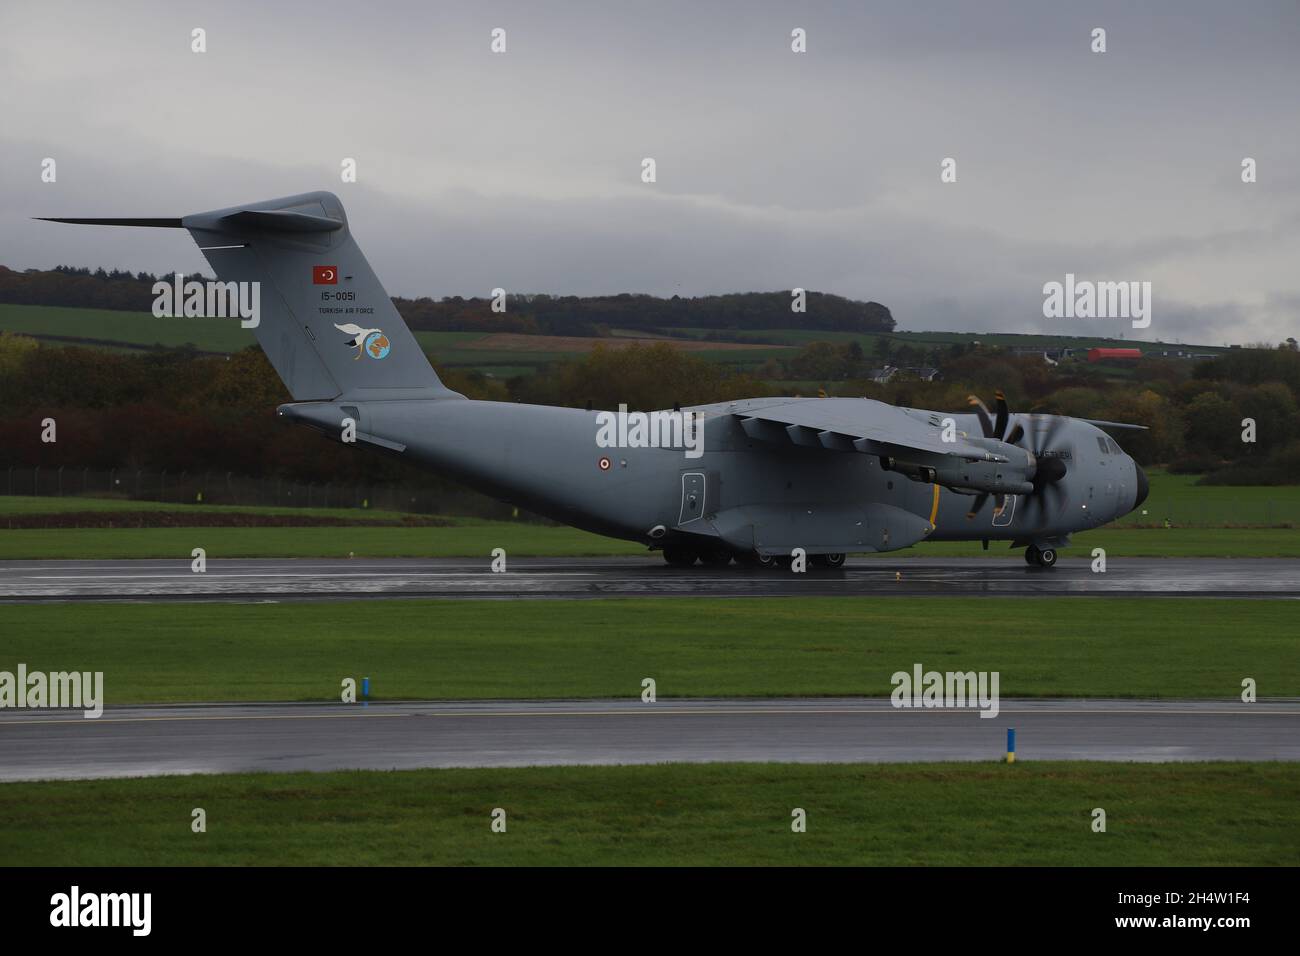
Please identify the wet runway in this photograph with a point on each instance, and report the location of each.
(143, 741)
(323, 579)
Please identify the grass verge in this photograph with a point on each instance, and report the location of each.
(467, 540)
(693, 647)
(672, 814)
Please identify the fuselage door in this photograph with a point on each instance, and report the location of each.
(1003, 511)
(692, 497)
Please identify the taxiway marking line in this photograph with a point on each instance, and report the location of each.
(215, 575)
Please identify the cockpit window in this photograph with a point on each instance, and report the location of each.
(1114, 446)
(1101, 443)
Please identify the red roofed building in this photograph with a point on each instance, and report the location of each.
(1104, 355)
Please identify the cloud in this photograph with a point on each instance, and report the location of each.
(775, 169)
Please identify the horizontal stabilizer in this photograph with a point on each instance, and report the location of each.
(156, 223)
(282, 220)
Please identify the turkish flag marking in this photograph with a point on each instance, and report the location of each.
(324, 275)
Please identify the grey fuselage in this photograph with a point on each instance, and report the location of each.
(753, 495)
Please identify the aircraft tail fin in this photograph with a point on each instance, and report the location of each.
(325, 322)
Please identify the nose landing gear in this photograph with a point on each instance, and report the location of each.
(1043, 557)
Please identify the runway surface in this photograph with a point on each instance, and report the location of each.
(143, 741)
(324, 579)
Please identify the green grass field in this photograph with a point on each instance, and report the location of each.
(1023, 814)
(27, 505)
(456, 349)
(801, 337)
(436, 342)
(692, 647)
(134, 330)
(1185, 503)
(142, 330)
(139, 329)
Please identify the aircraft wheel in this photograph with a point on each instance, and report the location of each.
(680, 557)
(716, 557)
(752, 559)
(826, 560)
(1047, 557)
(1033, 555)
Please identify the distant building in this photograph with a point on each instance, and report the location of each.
(1050, 355)
(881, 376)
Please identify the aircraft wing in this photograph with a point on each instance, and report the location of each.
(853, 424)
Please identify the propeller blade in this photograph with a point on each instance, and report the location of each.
(1054, 425)
(975, 508)
(985, 425)
(1000, 426)
(1046, 501)
(1017, 432)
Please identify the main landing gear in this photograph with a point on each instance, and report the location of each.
(681, 556)
(1043, 557)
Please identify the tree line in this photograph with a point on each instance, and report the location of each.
(524, 313)
(179, 410)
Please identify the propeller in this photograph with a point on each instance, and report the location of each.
(1000, 426)
(1047, 471)
(986, 426)
(992, 428)
(1048, 495)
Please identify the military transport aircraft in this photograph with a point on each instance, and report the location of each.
(747, 480)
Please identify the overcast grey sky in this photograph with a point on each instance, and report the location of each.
(775, 169)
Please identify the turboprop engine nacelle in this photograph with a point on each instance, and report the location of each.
(1012, 475)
